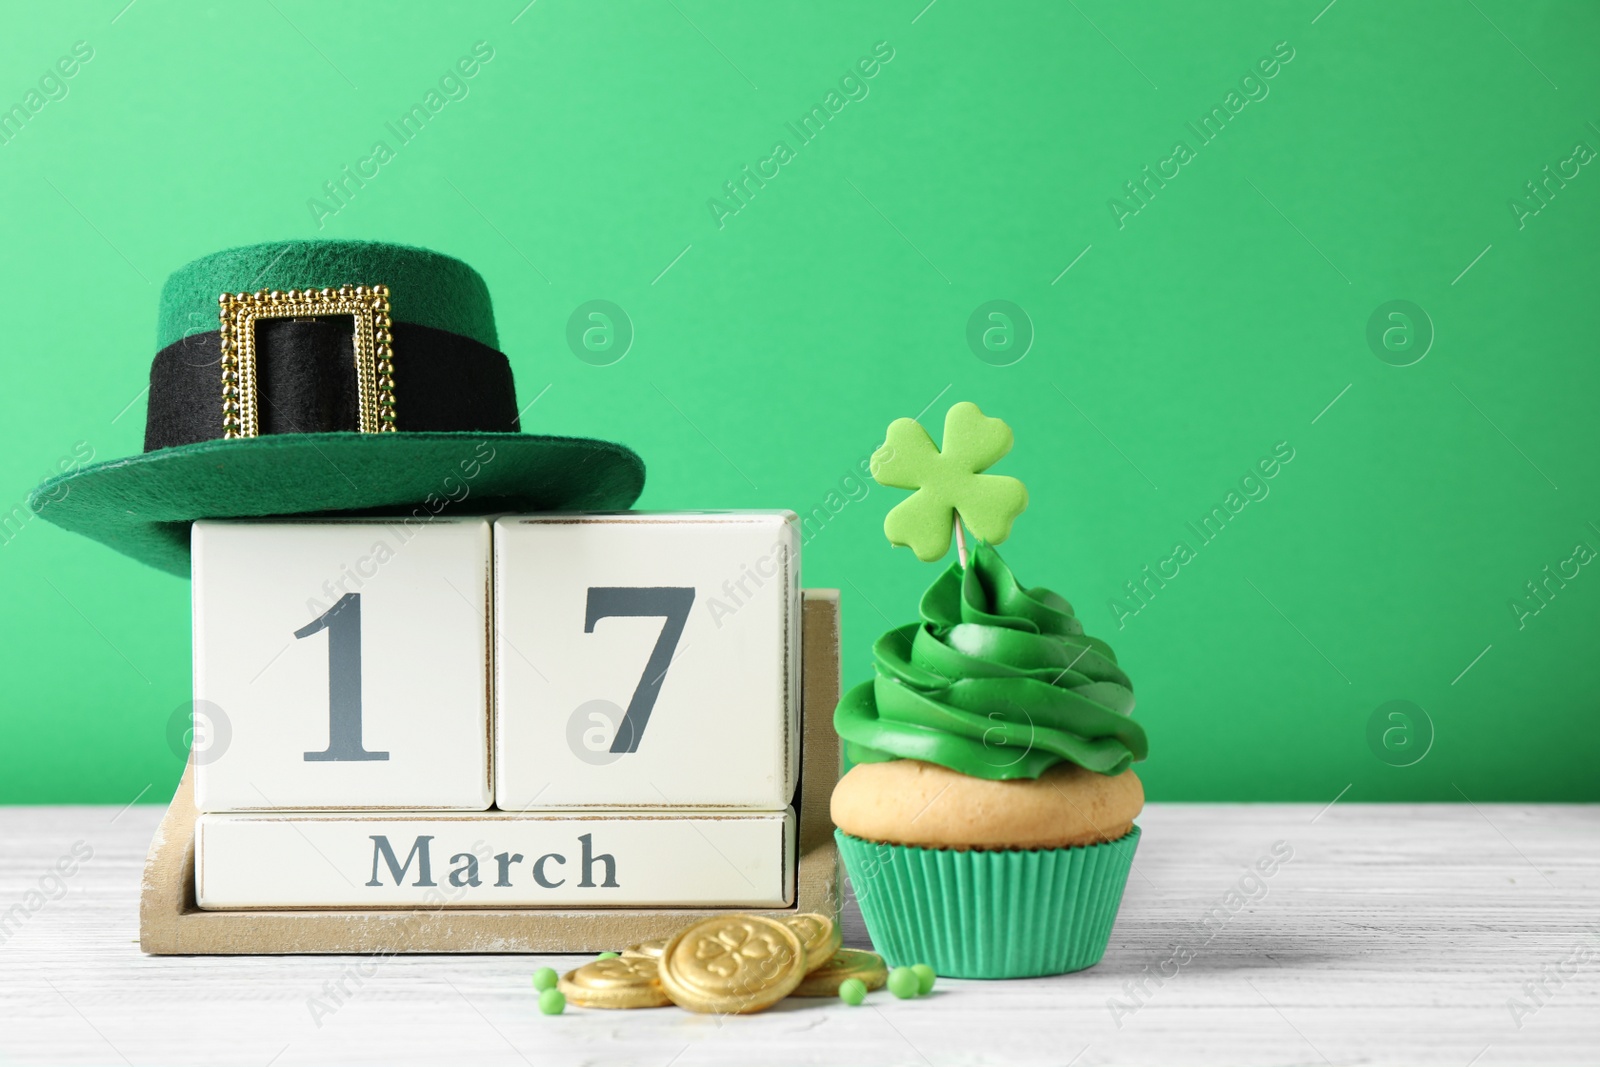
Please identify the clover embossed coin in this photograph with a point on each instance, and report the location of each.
(646, 949)
(732, 963)
(819, 934)
(846, 963)
(616, 982)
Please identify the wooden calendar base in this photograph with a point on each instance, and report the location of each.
(171, 924)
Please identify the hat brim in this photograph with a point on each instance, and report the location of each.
(142, 506)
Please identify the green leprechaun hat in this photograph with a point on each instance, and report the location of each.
(350, 378)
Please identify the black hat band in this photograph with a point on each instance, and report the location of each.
(306, 382)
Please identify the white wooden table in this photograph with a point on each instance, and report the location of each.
(1396, 934)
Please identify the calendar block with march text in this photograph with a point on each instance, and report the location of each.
(682, 859)
(342, 664)
(646, 660)
(237, 920)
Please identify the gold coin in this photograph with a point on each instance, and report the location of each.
(732, 963)
(618, 982)
(819, 934)
(647, 949)
(846, 963)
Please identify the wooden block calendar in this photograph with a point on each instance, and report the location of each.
(399, 859)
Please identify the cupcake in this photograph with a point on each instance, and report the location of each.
(987, 825)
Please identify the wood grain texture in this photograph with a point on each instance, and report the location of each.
(1395, 934)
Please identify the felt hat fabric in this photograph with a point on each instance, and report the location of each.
(438, 406)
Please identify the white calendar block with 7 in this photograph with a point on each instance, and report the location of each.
(342, 664)
(647, 660)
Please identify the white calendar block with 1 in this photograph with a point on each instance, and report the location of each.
(342, 664)
(647, 660)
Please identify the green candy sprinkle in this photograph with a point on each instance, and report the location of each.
(608, 955)
(925, 978)
(852, 991)
(904, 983)
(552, 1002)
(545, 978)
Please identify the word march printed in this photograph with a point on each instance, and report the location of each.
(495, 860)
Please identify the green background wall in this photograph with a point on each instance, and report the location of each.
(1173, 347)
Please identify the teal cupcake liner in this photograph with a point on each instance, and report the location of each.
(1014, 913)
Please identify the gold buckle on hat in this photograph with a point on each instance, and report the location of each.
(368, 305)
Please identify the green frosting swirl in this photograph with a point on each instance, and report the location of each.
(997, 681)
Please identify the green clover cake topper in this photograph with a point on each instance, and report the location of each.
(950, 485)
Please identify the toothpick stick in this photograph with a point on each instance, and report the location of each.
(961, 542)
